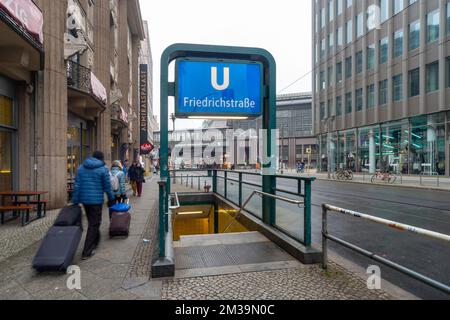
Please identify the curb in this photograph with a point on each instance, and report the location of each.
(379, 184)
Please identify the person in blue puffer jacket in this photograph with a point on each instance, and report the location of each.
(92, 182)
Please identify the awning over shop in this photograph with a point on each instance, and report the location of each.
(21, 39)
(98, 89)
(27, 15)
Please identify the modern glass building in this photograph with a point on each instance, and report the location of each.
(381, 89)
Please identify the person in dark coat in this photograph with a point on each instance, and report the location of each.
(132, 178)
(140, 178)
(92, 182)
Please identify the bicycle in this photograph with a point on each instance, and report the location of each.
(386, 177)
(342, 174)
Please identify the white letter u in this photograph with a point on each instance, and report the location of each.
(226, 79)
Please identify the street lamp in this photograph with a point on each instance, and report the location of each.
(328, 122)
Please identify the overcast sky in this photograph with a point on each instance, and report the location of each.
(282, 27)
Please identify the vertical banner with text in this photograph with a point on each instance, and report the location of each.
(146, 146)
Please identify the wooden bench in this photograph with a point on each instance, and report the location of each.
(24, 211)
(41, 206)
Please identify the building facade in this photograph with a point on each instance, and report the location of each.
(68, 87)
(381, 85)
(295, 126)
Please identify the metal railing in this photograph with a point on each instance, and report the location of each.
(261, 194)
(79, 78)
(429, 176)
(392, 224)
(303, 188)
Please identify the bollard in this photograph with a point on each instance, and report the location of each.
(199, 183)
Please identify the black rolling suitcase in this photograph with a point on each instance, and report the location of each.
(69, 216)
(58, 249)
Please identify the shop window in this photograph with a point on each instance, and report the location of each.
(395, 147)
(6, 154)
(369, 149)
(6, 112)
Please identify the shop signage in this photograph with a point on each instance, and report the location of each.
(146, 146)
(218, 88)
(27, 15)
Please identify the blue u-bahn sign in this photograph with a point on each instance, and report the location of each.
(212, 88)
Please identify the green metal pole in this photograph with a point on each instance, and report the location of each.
(214, 180)
(270, 125)
(307, 218)
(162, 231)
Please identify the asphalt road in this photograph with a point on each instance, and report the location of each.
(417, 207)
(427, 209)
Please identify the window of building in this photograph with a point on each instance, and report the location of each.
(339, 106)
(330, 76)
(349, 3)
(339, 37)
(384, 50)
(414, 82)
(359, 62)
(322, 80)
(371, 57)
(384, 10)
(398, 6)
(359, 25)
(6, 112)
(359, 99)
(398, 43)
(369, 149)
(348, 67)
(322, 17)
(330, 110)
(397, 88)
(340, 5)
(433, 26)
(414, 35)
(432, 76)
(383, 92)
(339, 73)
(330, 10)
(348, 103)
(322, 111)
(448, 18)
(427, 144)
(6, 143)
(349, 31)
(448, 71)
(330, 43)
(322, 49)
(370, 96)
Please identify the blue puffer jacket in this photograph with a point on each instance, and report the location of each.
(92, 182)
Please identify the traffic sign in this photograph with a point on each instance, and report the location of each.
(208, 88)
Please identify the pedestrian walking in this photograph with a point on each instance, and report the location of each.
(92, 182)
(132, 178)
(118, 183)
(140, 178)
(125, 169)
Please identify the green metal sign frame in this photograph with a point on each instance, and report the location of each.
(181, 115)
(194, 51)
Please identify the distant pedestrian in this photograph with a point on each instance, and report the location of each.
(140, 178)
(125, 169)
(92, 182)
(118, 183)
(132, 178)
